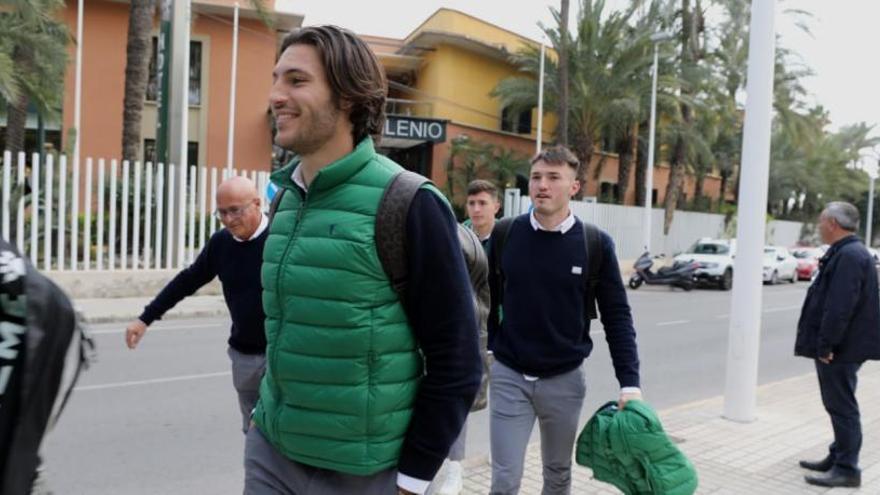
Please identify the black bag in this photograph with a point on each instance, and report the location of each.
(38, 327)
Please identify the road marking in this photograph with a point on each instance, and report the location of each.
(170, 379)
(669, 323)
(723, 317)
(783, 308)
(150, 330)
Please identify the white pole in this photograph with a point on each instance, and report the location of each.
(745, 315)
(62, 209)
(233, 76)
(111, 244)
(870, 211)
(19, 220)
(35, 206)
(47, 216)
(203, 180)
(191, 235)
(100, 213)
(87, 220)
(74, 217)
(148, 214)
(136, 221)
(181, 218)
(170, 225)
(160, 201)
(213, 227)
(649, 175)
(77, 98)
(7, 173)
(123, 221)
(540, 136)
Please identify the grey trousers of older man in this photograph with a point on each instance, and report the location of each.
(247, 372)
(268, 472)
(515, 403)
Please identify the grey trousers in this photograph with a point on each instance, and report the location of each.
(268, 472)
(515, 403)
(247, 372)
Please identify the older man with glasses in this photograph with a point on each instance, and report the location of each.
(234, 254)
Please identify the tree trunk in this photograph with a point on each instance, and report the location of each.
(626, 152)
(16, 119)
(675, 185)
(562, 109)
(583, 149)
(137, 63)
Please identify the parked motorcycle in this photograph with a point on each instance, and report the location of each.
(680, 274)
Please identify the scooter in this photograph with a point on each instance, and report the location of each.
(680, 274)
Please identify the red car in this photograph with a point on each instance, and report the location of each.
(807, 261)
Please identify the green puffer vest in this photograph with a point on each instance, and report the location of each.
(342, 364)
(629, 449)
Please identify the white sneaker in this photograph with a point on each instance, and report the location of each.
(452, 482)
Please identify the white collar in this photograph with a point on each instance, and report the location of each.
(563, 227)
(298, 179)
(264, 224)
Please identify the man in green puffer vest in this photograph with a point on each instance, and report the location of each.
(363, 393)
(629, 449)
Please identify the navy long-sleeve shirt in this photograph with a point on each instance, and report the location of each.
(237, 264)
(440, 310)
(543, 331)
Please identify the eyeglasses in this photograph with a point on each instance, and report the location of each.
(233, 212)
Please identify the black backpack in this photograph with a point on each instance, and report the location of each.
(38, 326)
(592, 241)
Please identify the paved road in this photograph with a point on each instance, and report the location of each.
(164, 419)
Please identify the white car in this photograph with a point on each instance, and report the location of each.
(715, 257)
(779, 265)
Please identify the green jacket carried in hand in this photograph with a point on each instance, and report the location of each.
(629, 449)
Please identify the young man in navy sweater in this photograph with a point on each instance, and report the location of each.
(541, 336)
(235, 254)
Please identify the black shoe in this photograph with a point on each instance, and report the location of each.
(821, 466)
(835, 478)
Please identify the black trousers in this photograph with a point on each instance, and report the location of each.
(837, 383)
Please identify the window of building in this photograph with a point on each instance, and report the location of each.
(192, 151)
(195, 73)
(609, 192)
(520, 123)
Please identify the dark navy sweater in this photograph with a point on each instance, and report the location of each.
(237, 264)
(543, 331)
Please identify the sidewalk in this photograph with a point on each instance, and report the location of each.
(123, 309)
(742, 459)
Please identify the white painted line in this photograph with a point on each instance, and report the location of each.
(181, 378)
(150, 330)
(783, 308)
(669, 323)
(723, 317)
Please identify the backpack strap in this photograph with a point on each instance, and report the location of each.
(391, 227)
(593, 243)
(499, 238)
(273, 206)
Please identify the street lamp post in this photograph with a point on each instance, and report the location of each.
(870, 219)
(740, 392)
(656, 38)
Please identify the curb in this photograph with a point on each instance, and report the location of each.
(118, 318)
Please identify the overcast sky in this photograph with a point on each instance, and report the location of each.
(841, 52)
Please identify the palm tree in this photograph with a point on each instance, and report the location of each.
(602, 65)
(137, 65)
(33, 58)
(138, 51)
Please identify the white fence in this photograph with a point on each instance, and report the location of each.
(624, 225)
(141, 220)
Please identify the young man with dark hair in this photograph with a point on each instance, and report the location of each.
(482, 207)
(544, 291)
(364, 392)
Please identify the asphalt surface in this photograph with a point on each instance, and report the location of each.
(164, 418)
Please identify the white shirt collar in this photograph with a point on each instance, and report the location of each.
(298, 179)
(264, 224)
(563, 227)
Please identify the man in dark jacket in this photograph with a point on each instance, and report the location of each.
(233, 254)
(839, 328)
